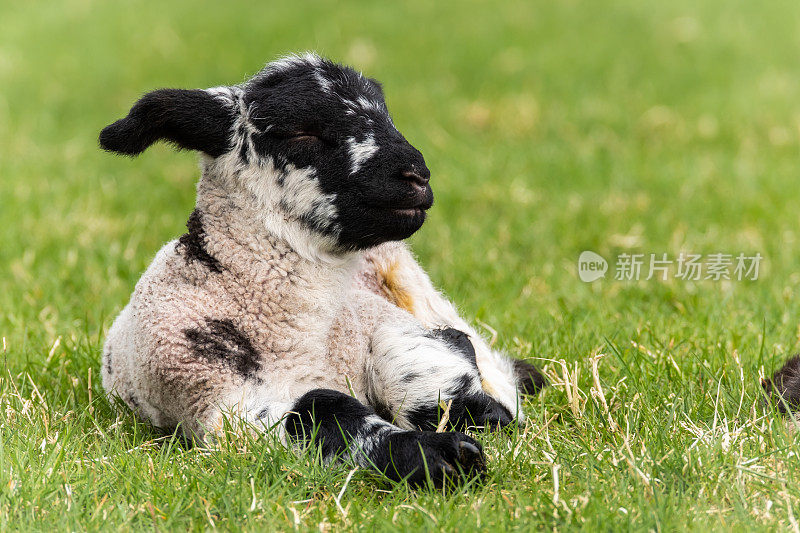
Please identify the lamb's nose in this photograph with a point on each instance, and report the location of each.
(416, 177)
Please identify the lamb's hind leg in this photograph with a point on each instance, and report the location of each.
(344, 428)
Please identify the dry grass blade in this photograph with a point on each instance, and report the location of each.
(445, 415)
(597, 390)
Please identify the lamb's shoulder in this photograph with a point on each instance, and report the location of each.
(244, 317)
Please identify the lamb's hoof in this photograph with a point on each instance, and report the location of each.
(419, 457)
(471, 456)
(495, 417)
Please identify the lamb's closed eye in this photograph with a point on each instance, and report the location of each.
(305, 137)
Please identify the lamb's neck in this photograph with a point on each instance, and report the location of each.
(239, 234)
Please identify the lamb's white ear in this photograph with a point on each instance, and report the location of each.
(193, 119)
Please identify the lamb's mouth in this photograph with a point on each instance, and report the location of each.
(414, 208)
(411, 212)
(408, 212)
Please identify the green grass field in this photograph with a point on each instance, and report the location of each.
(550, 127)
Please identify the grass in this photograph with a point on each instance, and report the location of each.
(630, 126)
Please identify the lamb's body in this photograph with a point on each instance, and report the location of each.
(231, 320)
(225, 320)
(280, 308)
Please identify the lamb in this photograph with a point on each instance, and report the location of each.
(291, 301)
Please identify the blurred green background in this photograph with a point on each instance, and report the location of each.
(550, 127)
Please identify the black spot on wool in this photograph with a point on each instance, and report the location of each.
(222, 341)
(459, 341)
(193, 243)
(132, 401)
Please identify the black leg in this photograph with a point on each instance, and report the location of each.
(466, 410)
(414, 373)
(417, 456)
(346, 429)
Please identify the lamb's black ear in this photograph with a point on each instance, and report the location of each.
(191, 119)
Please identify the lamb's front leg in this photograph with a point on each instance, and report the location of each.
(391, 271)
(344, 428)
(413, 373)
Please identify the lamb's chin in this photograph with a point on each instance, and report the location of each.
(382, 226)
(403, 223)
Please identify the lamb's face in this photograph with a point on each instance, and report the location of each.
(312, 140)
(343, 168)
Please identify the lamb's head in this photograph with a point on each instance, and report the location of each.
(312, 142)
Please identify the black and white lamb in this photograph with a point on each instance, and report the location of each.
(290, 302)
